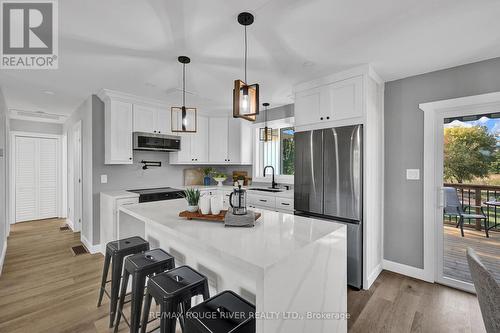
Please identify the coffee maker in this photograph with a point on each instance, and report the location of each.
(238, 201)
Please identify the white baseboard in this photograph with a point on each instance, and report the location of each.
(70, 224)
(417, 273)
(373, 276)
(91, 248)
(2, 255)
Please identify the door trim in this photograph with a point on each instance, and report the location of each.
(434, 114)
(12, 168)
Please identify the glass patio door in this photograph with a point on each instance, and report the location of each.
(470, 196)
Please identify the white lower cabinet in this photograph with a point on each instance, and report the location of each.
(285, 204)
(109, 217)
(270, 202)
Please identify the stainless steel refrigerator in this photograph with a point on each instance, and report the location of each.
(329, 184)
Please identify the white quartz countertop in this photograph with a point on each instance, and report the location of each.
(282, 194)
(274, 237)
(119, 194)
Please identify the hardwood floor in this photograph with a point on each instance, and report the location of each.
(43, 288)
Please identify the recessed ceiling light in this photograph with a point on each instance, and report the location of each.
(49, 92)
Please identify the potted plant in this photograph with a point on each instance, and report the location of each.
(219, 177)
(207, 172)
(192, 196)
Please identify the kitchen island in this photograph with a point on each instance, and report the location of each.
(293, 268)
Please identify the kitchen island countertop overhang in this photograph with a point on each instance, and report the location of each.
(289, 263)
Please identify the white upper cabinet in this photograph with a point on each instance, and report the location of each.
(151, 119)
(330, 102)
(118, 120)
(230, 141)
(199, 141)
(240, 138)
(218, 139)
(194, 146)
(308, 106)
(344, 99)
(163, 121)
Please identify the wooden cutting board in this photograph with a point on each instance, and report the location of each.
(193, 177)
(209, 217)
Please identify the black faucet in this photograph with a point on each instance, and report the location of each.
(273, 183)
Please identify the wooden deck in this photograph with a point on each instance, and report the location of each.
(455, 261)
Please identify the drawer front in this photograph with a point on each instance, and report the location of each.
(284, 203)
(262, 201)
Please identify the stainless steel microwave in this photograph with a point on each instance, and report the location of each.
(156, 142)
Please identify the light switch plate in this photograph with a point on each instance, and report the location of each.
(104, 179)
(412, 174)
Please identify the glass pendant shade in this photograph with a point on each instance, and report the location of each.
(267, 134)
(183, 119)
(245, 100)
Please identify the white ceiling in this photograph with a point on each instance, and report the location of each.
(132, 46)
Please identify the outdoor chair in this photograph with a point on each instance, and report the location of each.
(487, 290)
(453, 207)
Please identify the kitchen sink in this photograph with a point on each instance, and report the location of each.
(274, 190)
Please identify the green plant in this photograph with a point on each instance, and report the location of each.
(208, 171)
(219, 175)
(468, 153)
(192, 196)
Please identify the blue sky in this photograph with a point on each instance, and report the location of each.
(493, 125)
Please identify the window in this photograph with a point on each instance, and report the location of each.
(278, 153)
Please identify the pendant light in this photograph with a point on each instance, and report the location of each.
(183, 119)
(267, 133)
(245, 96)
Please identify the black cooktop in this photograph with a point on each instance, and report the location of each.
(157, 194)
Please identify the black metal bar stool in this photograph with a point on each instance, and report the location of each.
(234, 315)
(140, 266)
(115, 252)
(173, 290)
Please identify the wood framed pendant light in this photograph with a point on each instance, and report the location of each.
(183, 119)
(267, 134)
(245, 96)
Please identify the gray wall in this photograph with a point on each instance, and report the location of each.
(404, 130)
(35, 126)
(3, 178)
(279, 112)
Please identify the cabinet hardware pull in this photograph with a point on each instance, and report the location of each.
(285, 204)
(262, 200)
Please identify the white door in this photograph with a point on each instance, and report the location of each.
(77, 176)
(36, 184)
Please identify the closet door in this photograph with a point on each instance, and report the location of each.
(26, 179)
(47, 178)
(36, 178)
